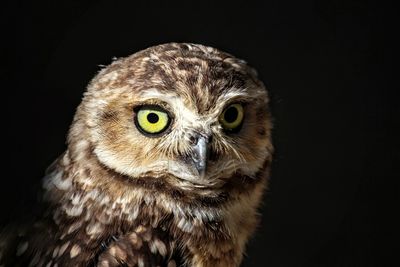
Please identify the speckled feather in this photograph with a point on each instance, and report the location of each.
(119, 198)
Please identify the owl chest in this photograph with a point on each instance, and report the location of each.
(97, 216)
(105, 218)
(105, 226)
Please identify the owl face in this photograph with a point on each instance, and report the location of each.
(189, 114)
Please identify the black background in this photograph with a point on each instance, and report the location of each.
(327, 64)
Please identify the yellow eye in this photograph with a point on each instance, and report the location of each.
(152, 119)
(232, 117)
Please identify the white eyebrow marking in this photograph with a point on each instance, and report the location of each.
(232, 94)
(236, 93)
(168, 97)
(175, 101)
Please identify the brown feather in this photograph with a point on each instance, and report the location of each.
(117, 197)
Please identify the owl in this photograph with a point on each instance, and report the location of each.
(168, 157)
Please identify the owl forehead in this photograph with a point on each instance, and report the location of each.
(202, 78)
(181, 107)
(200, 83)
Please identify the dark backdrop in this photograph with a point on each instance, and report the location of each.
(327, 65)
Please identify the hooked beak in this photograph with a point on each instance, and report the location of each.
(200, 154)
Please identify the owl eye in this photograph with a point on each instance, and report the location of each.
(232, 117)
(152, 119)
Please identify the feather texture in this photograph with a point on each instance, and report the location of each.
(118, 197)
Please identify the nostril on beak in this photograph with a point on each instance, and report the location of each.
(193, 139)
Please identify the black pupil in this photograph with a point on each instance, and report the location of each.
(152, 117)
(231, 114)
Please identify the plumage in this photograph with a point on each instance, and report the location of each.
(179, 187)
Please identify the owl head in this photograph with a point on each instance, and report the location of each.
(184, 113)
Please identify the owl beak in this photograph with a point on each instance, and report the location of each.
(200, 154)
